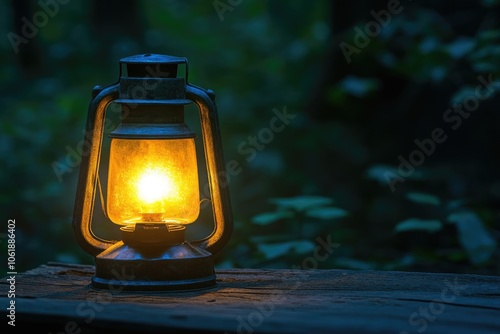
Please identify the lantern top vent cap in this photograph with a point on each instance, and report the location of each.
(149, 65)
(152, 58)
(166, 87)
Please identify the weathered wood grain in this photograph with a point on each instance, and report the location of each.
(55, 296)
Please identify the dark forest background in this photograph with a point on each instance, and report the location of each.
(328, 174)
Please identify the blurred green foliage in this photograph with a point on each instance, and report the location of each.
(325, 174)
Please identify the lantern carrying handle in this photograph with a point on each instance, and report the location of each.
(89, 169)
(217, 177)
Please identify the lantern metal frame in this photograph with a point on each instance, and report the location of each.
(178, 264)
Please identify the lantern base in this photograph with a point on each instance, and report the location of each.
(178, 286)
(170, 268)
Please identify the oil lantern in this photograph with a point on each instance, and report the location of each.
(153, 183)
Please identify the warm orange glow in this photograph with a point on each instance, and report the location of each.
(153, 181)
(154, 185)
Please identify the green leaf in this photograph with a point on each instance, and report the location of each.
(454, 204)
(489, 35)
(473, 236)
(386, 174)
(460, 47)
(275, 250)
(438, 73)
(267, 218)
(359, 87)
(415, 224)
(485, 67)
(429, 44)
(381, 173)
(423, 198)
(301, 203)
(326, 213)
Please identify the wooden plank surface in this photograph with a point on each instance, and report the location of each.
(57, 298)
